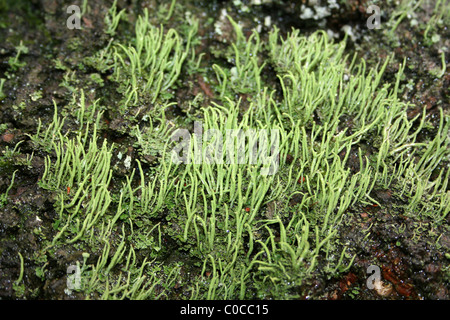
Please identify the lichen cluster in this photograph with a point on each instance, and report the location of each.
(149, 228)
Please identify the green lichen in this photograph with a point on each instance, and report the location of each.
(146, 225)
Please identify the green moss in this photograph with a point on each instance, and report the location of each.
(14, 62)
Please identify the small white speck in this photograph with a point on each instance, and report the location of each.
(332, 34)
(321, 12)
(307, 13)
(127, 162)
(258, 28)
(332, 4)
(234, 74)
(348, 30)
